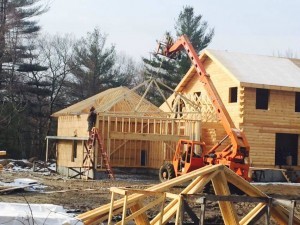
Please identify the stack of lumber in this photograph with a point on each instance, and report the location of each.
(219, 175)
(1, 154)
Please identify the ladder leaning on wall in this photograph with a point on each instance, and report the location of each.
(95, 136)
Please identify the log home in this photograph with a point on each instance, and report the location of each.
(261, 94)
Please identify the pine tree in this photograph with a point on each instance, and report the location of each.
(17, 28)
(169, 71)
(95, 67)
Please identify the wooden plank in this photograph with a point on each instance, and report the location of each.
(136, 211)
(2, 153)
(157, 219)
(169, 213)
(161, 213)
(9, 189)
(278, 212)
(252, 214)
(111, 207)
(179, 213)
(201, 184)
(140, 218)
(227, 208)
(146, 136)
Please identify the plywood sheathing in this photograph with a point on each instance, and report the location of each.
(115, 100)
(219, 175)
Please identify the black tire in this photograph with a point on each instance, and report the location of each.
(166, 172)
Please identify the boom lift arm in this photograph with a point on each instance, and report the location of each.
(236, 154)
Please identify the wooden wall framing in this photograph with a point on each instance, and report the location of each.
(131, 141)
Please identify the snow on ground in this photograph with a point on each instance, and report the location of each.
(38, 214)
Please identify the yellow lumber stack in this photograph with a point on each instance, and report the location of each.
(1, 154)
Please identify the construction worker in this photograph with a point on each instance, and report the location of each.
(92, 117)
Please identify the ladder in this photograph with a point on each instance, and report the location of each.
(94, 135)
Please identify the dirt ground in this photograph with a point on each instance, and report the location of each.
(81, 195)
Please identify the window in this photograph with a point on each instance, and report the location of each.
(197, 93)
(262, 98)
(233, 94)
(297, 102)
(74, 150)
(197, 96)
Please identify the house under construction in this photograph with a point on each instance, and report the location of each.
(136, 134)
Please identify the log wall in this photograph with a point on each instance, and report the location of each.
(212, 131)
(261, 126)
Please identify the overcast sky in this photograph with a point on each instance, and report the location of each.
(263, 27)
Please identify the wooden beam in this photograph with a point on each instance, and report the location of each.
(252, 214)
(169, 213)
(227, 208)
(146, 136)
(278, 212)
(139, 215)
(201, 184)
(157, 219)
(128, 191)
(138, 210)
(179, 213)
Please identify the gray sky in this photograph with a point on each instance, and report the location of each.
(263, 27)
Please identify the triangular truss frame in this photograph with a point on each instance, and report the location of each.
(219, 175)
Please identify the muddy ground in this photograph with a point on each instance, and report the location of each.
(82, 195)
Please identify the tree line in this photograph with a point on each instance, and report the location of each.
(42, 73)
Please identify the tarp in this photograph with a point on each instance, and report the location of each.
(38, 214)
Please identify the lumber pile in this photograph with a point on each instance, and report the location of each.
(1, 154)
(170, 204)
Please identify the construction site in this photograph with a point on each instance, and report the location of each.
(223, 148)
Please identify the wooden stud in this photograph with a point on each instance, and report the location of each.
(111, 207)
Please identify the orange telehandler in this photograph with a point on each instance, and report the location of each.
(235, 155)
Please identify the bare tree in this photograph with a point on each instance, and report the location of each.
(56, 53)
(289, 53)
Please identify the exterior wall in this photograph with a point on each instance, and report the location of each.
(69, 125)
(261, 126)
(65, 155)
(222, 82)
(212, 131)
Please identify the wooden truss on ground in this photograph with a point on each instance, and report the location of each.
(169, 205)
